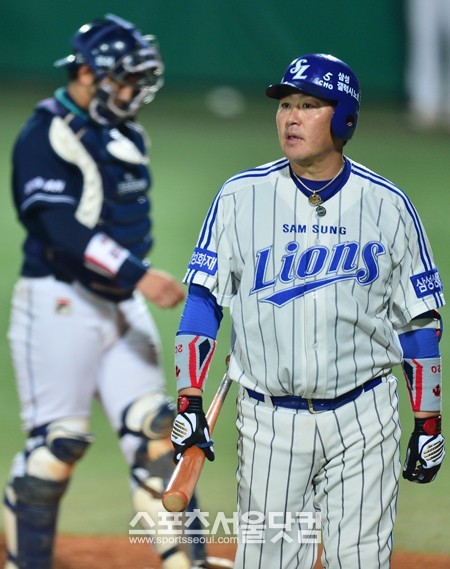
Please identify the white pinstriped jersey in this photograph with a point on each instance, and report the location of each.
(315, 302)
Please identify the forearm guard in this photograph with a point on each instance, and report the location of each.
(423, 380)
(193, 355)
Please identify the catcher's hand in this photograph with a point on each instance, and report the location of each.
(191, 428)
(425, 451)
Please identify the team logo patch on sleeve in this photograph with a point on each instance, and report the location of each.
(204, 261)
(427, 283)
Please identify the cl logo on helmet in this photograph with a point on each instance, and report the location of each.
(299, 69)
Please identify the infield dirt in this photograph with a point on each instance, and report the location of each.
(100, 552)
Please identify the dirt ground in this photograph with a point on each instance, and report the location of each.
(98, 552)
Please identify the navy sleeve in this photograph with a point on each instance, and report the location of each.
(40, 177)
(201, 315)
(63, 232)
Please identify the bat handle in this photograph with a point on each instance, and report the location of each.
(181, 486)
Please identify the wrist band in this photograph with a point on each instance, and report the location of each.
(428, 425)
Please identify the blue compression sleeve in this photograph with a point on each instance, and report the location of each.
(201, 315)
(422, 343)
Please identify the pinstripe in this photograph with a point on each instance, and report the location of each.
(248, 506)
(357, 308)
(290, 388)
(277, 343)
(325, 506)
(255, 229)
(271, 438)
(342, 486)
(382, 472)
(337, 316)
(287, 491)
(361, 431)
(379, 180)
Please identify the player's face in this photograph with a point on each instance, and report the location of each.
(304, 129)
(122, 93)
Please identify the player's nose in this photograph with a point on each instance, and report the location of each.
(124, 95)
(294, 116)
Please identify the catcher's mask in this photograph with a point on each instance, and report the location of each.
(113, 48)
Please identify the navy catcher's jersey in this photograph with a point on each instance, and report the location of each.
(63, 160)
(315, 301)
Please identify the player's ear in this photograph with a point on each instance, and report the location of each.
(85, 75)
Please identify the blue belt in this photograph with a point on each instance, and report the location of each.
(316, 405)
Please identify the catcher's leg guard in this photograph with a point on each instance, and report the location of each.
(38, 480)
(145, 442)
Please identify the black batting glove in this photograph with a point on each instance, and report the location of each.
(191, 428)
(425, 451)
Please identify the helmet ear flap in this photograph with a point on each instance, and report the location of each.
(343, 123)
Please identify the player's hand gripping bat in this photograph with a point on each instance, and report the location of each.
(187, 472)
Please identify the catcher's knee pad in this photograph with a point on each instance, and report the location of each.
(151, 415)
(145, 440)
(38, 480)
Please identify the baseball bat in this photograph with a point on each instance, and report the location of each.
(184, 479)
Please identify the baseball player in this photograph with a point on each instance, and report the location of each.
(330, 282)
(80, 327)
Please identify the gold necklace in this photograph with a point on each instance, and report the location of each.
(314, 199)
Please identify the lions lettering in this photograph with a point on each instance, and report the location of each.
(336, 265)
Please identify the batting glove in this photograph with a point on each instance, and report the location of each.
(191, 428)
(425, 451)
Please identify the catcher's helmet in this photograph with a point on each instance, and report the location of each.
(115, 48)
(326, 77)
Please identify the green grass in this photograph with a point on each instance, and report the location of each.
(194, 152)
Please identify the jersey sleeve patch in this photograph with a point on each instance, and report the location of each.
(203, 260)
(427, 283)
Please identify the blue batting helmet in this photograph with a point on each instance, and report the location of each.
(326, 77)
